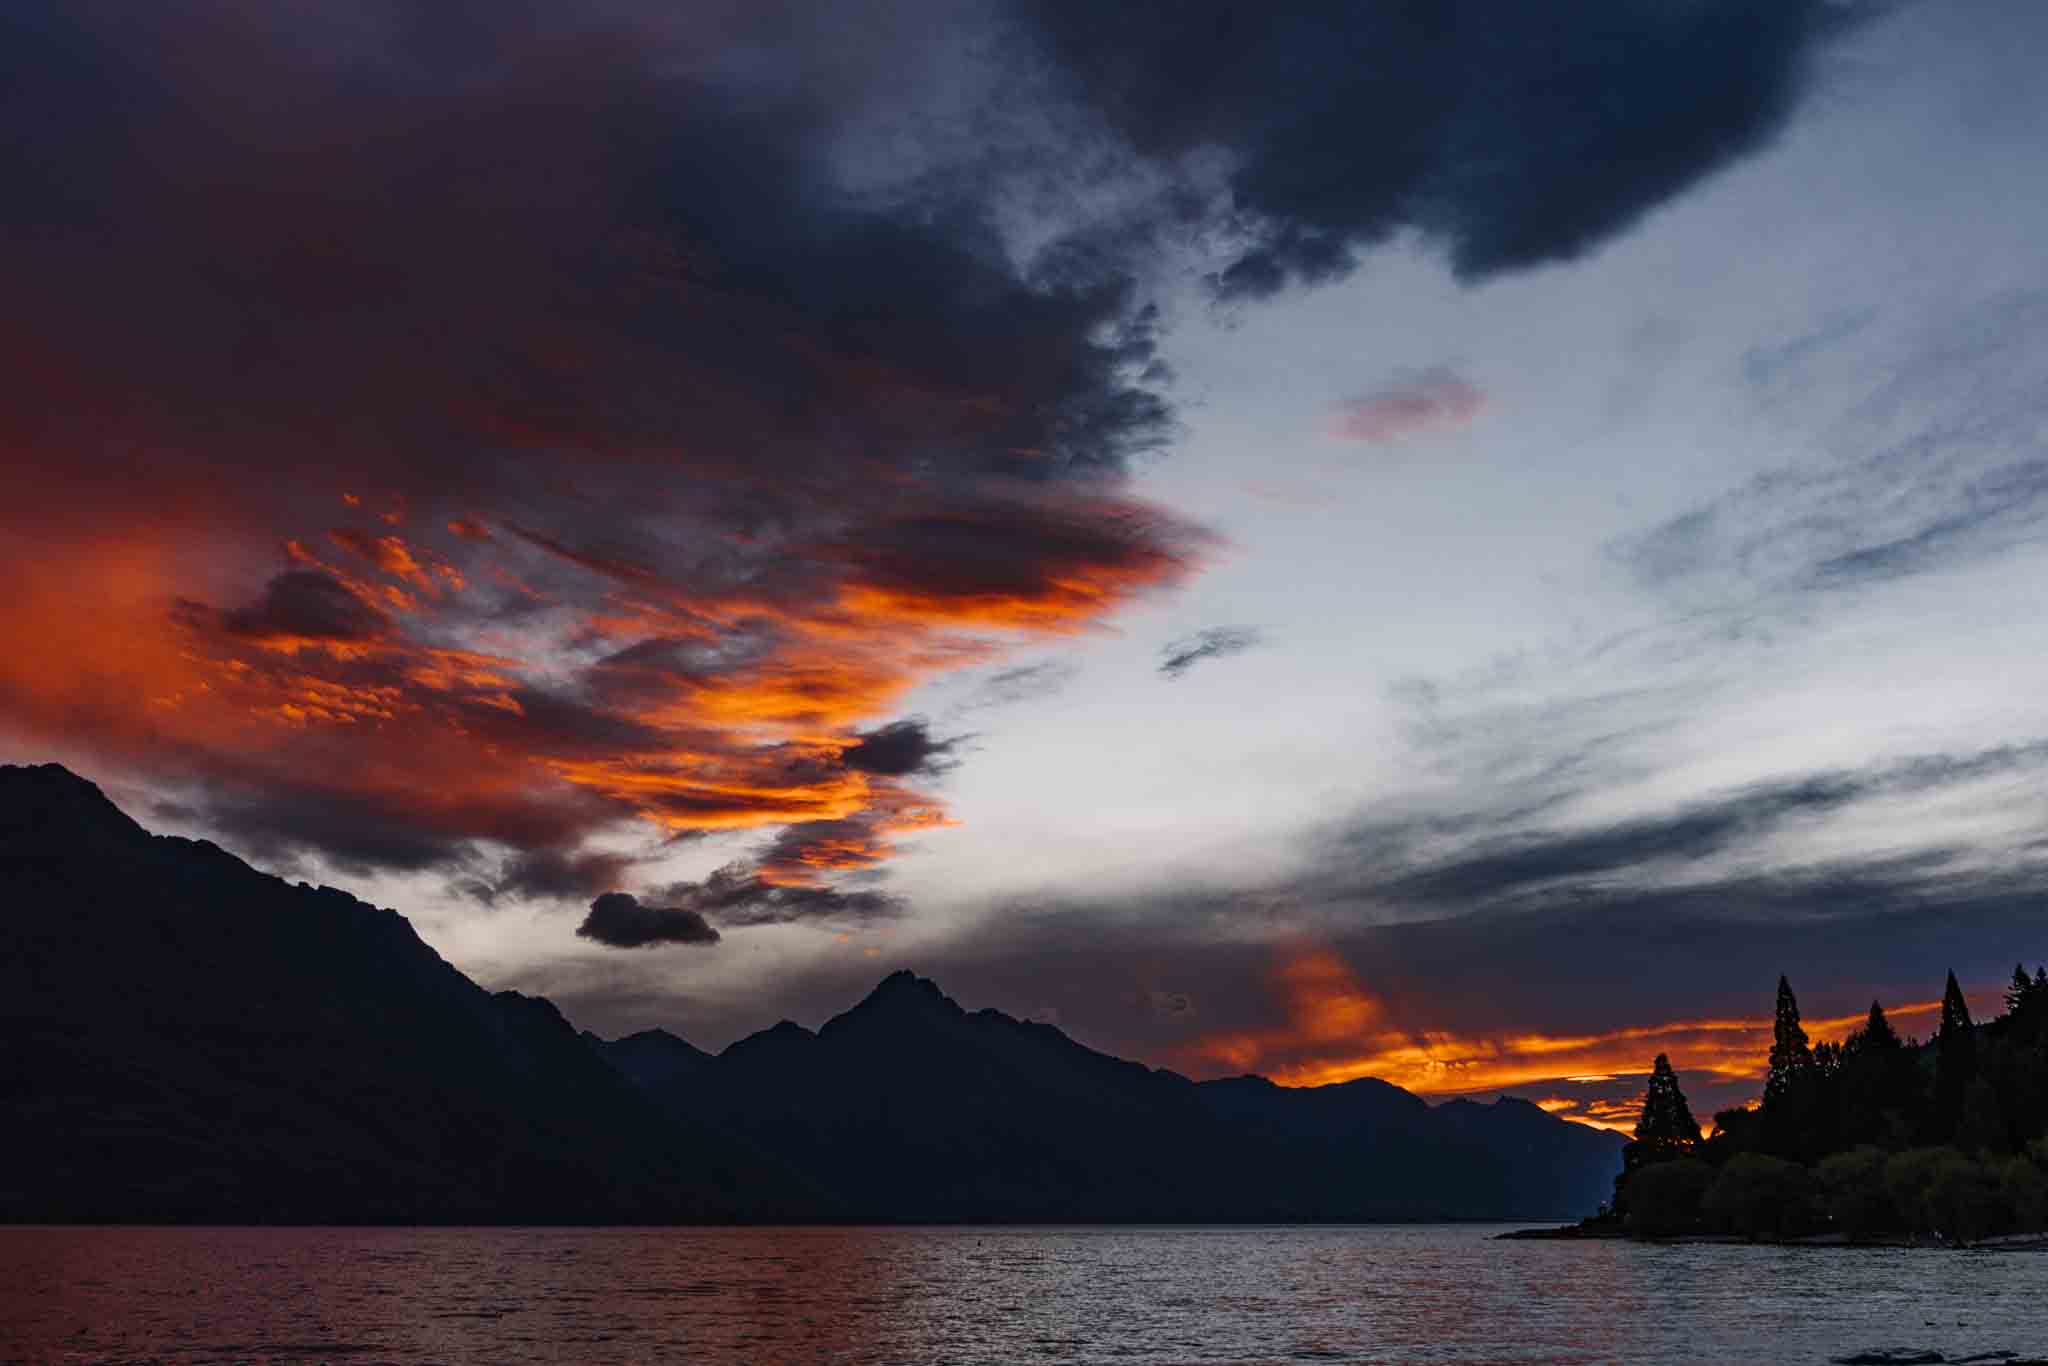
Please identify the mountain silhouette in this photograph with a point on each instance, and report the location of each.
(909, 1107)
(188, 1039)
(185, 1038)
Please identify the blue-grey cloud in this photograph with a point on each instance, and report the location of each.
(1512, 134)
(1216, 642)
(1937, 466)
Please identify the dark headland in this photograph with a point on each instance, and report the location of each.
(1875, 1140)
(189, 1040)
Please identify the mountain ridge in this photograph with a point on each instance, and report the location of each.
(192, 1039)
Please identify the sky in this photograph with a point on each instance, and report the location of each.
(1432, 540)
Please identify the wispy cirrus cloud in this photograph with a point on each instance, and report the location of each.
(1214, 642)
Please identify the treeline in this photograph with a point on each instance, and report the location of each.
(1875, 1136)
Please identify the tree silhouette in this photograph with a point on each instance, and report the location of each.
(2022, 987)
(1876, 1097)
(1955, 1060)
(1667, 1128)
(1791, 1055)
(1876, 1036)
(1792, 1085)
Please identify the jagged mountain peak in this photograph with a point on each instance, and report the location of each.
(904, 993)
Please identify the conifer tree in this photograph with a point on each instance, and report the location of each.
(1876, 1097)
(1792, 1088)
(1667, 1128)
(1955, 1059)
(2022, 987)
(1877, 1034)
(1791, 1056)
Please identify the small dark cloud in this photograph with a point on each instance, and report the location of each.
(898, 750)
(1170, 1005)
(1433, 398)
(306, 605)
(1214, 643)
(619, 920)
(739, 895)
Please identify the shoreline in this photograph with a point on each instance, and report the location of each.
(2010, 1242)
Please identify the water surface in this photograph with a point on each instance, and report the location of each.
(972, 1295)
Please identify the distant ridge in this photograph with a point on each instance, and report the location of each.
(189, 1039)
(909, 1107)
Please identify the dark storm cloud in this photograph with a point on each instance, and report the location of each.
(618, 920)
(358, 837)
(363, 830)
(619, 439)
(898, 750)
(1217, 642)
(1513, 134)
(551, 874)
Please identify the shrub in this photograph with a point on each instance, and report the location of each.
(1760, 1197)
(1853, 1192)
(1906, 1178)
(1965, 1200)
(1664, 1198)
(2025, 1194)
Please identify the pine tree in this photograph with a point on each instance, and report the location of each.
(1791, 1056)
(1667, 1128)
(2022, 987)
(1875, 1102)
(1876, 1036)
(1791, 1090)
(1955, 1060)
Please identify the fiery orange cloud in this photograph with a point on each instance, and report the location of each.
(1337, 1030)
(452, 728)
(591, 511)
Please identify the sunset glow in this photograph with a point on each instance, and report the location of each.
(1336, 1032)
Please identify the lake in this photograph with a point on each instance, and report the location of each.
(917, 1295)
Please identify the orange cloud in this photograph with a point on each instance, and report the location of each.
(1435, 398)
(702, 711)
